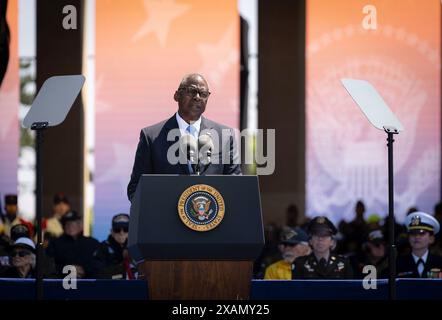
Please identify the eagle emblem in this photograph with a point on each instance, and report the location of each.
(320, 220)
(415, 221)
(201, 207)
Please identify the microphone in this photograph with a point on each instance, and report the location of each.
(188, 147)
(205, 147)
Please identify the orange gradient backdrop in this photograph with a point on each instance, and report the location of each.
(143, 49)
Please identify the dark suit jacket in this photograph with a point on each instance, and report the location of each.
(406, 268)
(151, 154)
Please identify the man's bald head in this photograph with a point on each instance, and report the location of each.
(191, 78)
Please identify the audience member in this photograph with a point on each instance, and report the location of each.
(374, 254)
(53, 227)
(420, 263)
(322, 263)
(73, 248)
(294, 244)
(11, 217)
(112, 260)
(22, 260)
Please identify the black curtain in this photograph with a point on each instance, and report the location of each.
(4, 40)
(244, 72)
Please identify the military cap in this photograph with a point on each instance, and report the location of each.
(11, 199)
(70, 216)
(60, 197)
(375, 236)
(321, 226)
(19, 231)
(294, 236)
(419, 222)
(120, 220)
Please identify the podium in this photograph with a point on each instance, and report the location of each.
(196, 237)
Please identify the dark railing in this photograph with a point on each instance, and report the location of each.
(416, 289)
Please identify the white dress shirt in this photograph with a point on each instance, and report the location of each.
(182, 124)
(420, 267)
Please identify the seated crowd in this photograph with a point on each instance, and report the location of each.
(317, 249)
(64, 245)
(312, 249)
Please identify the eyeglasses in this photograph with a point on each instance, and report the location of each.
(192, 91)
(20, 253)
(118, 230)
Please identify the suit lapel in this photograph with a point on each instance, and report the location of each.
(428, 265)
(330, 265)
(204, 125)
(414, 266)
(171, 124)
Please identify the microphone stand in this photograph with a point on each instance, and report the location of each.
(205, 166)
(191, 160)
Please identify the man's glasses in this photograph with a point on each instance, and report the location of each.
(20, 253)
(192, 91)
(118, 230)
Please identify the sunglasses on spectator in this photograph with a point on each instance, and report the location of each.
(20, 253)
(118, 230)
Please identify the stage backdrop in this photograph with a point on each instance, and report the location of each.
(9, 101)
(346, 156)
(143, 48)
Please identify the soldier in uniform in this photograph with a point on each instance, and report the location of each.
(52, 226)
(420, 263)
(322, 263)
(11, 217)
(294, 244)
(111, 260)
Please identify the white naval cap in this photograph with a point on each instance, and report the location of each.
(422, 221)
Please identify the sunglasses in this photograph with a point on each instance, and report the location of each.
(118, 230)
(20, 253)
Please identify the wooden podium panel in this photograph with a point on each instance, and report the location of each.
(203, 280)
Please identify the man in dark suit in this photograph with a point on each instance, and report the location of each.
(153, 155)
(420, 263)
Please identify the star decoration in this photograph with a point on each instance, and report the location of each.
(160, 14)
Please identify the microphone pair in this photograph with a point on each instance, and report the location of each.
(198, 152)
